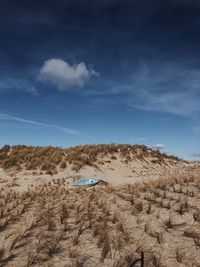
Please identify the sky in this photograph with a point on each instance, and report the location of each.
(86, 72)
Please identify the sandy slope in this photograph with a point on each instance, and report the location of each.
(50, 224)
(115, 171)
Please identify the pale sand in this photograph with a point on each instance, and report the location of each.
(112, 201)
(114, 171)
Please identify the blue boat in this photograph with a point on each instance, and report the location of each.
(86, 182)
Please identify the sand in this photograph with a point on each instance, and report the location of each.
(114, 171)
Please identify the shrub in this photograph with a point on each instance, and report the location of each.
(63, 165)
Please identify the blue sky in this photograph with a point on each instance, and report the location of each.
(78, 72)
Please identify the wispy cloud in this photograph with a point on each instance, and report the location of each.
(196, 155)
(62, 75)
(7, 117)
(167, 87)
(33, 91)
(158, 146)
(141, 139)
(20, 84)
(164, 87)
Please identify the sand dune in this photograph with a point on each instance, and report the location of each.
(151, 205)
(116, 164)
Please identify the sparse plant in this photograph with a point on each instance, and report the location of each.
(64, 213)
(179, 255)
(32, 257)
(63, 165)
(2, 253)
(168, 223)
(75, 239)
(137, 208)
(157, 259)
(182, 207)
(196, 215)
(78, 259)
(115, 218)
(149, 208)
(105, 249)
(192, 232)
(53, 245)
(159, 235)
(16, 240)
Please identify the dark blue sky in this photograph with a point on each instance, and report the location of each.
(75, 72)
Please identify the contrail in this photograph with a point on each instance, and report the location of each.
(4, 116)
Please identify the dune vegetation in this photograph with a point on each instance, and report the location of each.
(51, 159)
(53, 225)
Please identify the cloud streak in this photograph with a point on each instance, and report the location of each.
(19, 84)
(8, 117)
(162, 87)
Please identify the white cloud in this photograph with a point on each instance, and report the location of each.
(64, 76)
(196, 155)
(158, 146)
(4, 116)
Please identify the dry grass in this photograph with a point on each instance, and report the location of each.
(54, 225)
(50, 159)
